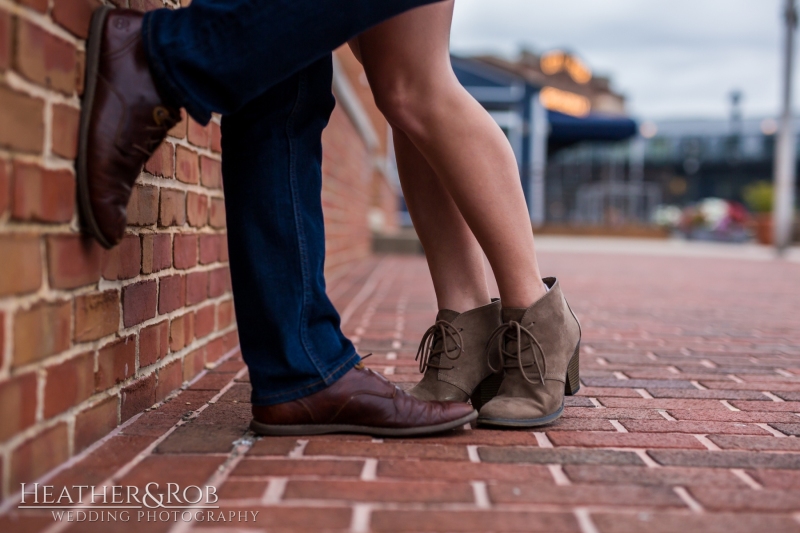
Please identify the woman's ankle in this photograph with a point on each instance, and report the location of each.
(526, 298)
(462, 304)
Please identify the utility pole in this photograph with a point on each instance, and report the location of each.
(783, 208)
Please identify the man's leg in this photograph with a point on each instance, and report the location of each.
(305, 374)
(217, 55)
(288, 328)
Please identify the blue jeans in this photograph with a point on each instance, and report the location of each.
(265, 65)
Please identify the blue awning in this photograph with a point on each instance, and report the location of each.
(566, 130)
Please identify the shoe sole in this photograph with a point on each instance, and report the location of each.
(572, 385)
(88, 222)
(322, 429)
(521, 422)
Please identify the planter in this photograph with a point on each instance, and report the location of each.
(763, 227)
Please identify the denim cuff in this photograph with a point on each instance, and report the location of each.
(168, 86)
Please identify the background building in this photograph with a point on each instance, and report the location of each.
(582, 160)
(695, 159)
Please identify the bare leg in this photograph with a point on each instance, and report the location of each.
(407, 62)
(454, 256)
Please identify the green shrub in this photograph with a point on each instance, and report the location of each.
(758, 196)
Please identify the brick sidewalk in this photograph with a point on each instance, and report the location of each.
(687, 420)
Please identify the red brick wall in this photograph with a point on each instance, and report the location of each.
(88, 337)
(385, 200)
(384, 195)
(347, 171)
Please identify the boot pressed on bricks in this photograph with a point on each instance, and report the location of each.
(539, 351)
(123, 121)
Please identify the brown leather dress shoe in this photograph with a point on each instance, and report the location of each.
(362, 401)
(123, 120)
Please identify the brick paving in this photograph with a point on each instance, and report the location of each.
(687, 420)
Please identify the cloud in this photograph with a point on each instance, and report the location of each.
(671, 58)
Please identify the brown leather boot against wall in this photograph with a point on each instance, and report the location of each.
(453, 355)
(123, 121)
(539, 348)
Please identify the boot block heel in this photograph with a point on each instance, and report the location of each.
(573, 383)
(486, 390)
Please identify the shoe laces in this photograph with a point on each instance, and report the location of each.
(163, 122)
(513, 331)
(360, 365)
(441, 330)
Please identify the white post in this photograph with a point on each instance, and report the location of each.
(783, 208)
(636, 205)
(538, 164)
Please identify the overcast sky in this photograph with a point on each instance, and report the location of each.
(671, 58)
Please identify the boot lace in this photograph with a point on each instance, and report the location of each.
(513, 331)
(442, 330)
(164, 121)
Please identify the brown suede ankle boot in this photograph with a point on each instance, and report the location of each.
(454, 358)
(539, 348)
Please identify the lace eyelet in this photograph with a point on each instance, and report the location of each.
(160, 114)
